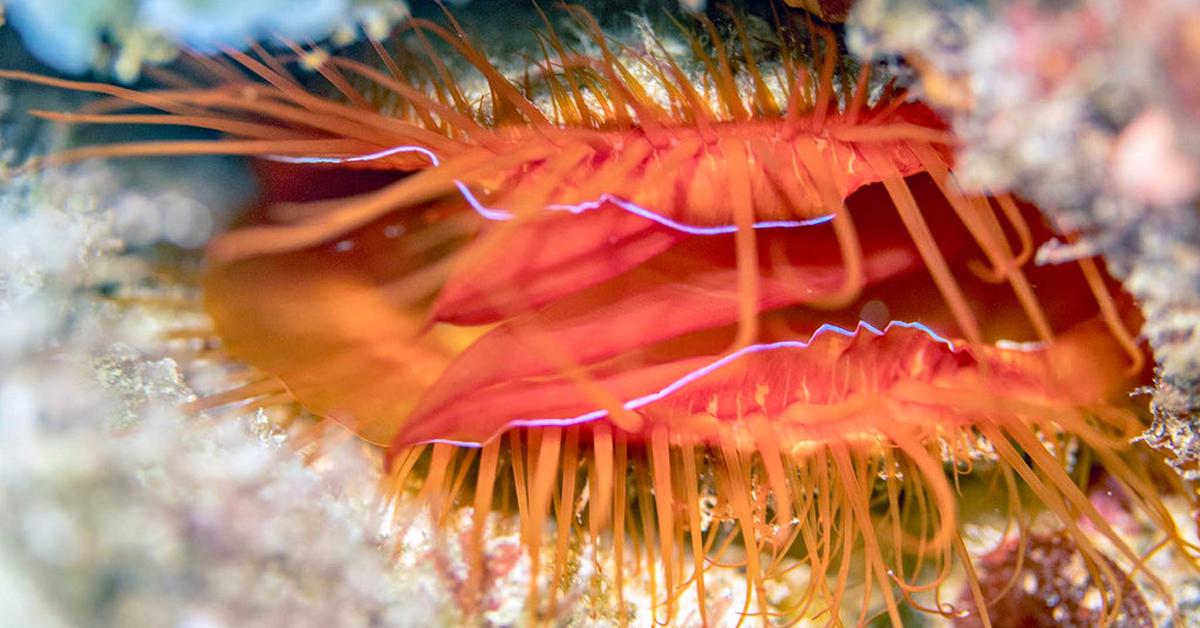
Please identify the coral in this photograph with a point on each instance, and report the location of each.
(120, 510)
(1050, 586)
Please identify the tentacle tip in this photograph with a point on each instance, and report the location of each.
(31, 165)
(223, 250)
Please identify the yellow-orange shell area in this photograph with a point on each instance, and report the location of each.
(616, 287)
